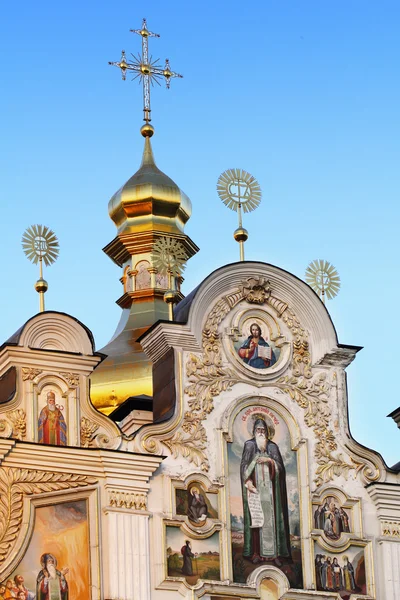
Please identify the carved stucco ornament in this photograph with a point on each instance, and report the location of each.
(208, 377)
(17, 483)
(132, 501)
(88, 432)
(18, 420)
(89, 436)
(390, 529)
(29, 373)
(15, 425)
(71, 378)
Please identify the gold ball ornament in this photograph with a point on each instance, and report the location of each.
(41, 285)
(170, 297)
(145, 69)
(241, 234)
(147, 130)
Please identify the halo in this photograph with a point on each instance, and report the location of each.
(264, 417)
(40, 243)
(249, 321)
(237, 187)
(169, 256)
(322, 276)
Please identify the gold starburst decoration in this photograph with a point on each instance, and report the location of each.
(323, 278)
(169, 257)
(40, 244)
(238, 189)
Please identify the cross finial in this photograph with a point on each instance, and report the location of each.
(145, 68)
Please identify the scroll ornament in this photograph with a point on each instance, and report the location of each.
(88, 432)
(17, 483)
(310, 389)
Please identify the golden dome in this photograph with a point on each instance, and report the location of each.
(149, 200)
(148, 207)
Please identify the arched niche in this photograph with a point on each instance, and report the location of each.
(266, 471)
(142, 277)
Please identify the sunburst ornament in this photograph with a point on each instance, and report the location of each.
(40, 245)
(323, 278)
(239, 191)
(169, 257)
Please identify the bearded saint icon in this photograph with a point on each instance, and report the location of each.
(51, 583)
(263, 479)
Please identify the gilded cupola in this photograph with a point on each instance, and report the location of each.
(149, 201)
(150, 212)
(147, 208)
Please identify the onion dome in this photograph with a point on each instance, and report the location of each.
(149, 200)
(148, 207)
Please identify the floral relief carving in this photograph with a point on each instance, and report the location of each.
(71, 378)
(18, 420)
(208, 377)
(29, 373)
(88, 432)
(17, 483)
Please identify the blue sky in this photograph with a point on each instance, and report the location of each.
(302, 94)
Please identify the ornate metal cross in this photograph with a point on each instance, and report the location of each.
(146, 69)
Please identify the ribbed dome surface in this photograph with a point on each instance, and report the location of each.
(149, 200)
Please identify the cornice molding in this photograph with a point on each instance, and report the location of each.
(165, 335)
(113, 465)
(47, 359)
(386, 498)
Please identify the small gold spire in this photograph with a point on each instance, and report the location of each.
(239, 191)
(148, 72)
(148, 156)
(40, 245)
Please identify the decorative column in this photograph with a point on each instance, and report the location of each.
(386, 497)
(126, 543)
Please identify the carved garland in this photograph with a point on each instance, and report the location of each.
(14, 484)
(209, 377)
